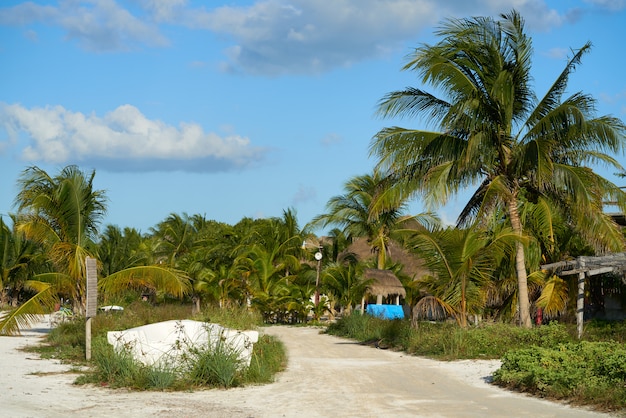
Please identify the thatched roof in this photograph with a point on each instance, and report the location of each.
(384, 283)
(413, 265)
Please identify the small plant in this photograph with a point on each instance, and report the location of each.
(116, 369)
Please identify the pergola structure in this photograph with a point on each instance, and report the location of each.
(587, 266)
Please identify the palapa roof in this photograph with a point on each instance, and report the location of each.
(413, 265)
(384, 283)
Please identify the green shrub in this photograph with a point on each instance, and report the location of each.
(579, 372)
(235, 318)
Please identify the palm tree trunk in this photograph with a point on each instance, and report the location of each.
(520, 267)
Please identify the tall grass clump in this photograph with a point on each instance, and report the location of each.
(217, 366)
(268, 358)
(111, 368)
(358, 327)
(446, 340)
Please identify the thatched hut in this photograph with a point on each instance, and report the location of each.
(413, 265)
(384, 284)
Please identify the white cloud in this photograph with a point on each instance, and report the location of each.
(273, 37)
(123, 139)
(558, 53)
(98, 25)
(331, 139)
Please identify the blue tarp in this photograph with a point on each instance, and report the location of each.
(386, 311)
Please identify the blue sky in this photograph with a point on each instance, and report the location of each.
(244, 108)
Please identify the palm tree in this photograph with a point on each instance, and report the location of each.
(120, 249)
(344, 281)
(62, 214)
(368, 209)
(494, 133)
(19, 260)
(177, 237)
(462, 265)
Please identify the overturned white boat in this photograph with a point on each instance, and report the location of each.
(168, 343)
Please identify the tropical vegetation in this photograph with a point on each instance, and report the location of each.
(535, 199)
(492, 132)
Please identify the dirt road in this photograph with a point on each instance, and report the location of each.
(326, 377)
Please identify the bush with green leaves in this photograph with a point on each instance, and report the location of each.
(584, 372)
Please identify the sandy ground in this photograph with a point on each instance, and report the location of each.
(326, 377)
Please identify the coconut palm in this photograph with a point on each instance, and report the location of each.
(266, 269)
(493, 132)
(62, 213)
(368, 209)
(120, 249)
(462, 265)
(344, 281)
(19, 260)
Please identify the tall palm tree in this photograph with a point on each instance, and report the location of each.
(368, 209)
(177, 237)
(120, 249)
(344, 281)
(493, 133)
(62, 213)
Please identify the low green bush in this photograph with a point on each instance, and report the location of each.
(584, 372)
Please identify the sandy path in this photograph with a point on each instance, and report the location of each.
(326, 377)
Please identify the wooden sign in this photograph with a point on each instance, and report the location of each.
(92, 287)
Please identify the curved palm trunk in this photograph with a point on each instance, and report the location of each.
(520, 267)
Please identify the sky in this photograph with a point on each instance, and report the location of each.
(233, 109)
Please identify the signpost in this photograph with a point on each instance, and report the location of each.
(92, 301)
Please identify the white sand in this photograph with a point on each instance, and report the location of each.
(326, 377)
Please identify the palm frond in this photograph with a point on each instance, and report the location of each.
(30, 311)
(170, 281)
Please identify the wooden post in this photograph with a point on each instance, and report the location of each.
(580, 300)
(88, 339)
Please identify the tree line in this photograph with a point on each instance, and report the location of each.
(528, 160)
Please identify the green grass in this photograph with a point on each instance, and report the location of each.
(547, 361)
(211, 368)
